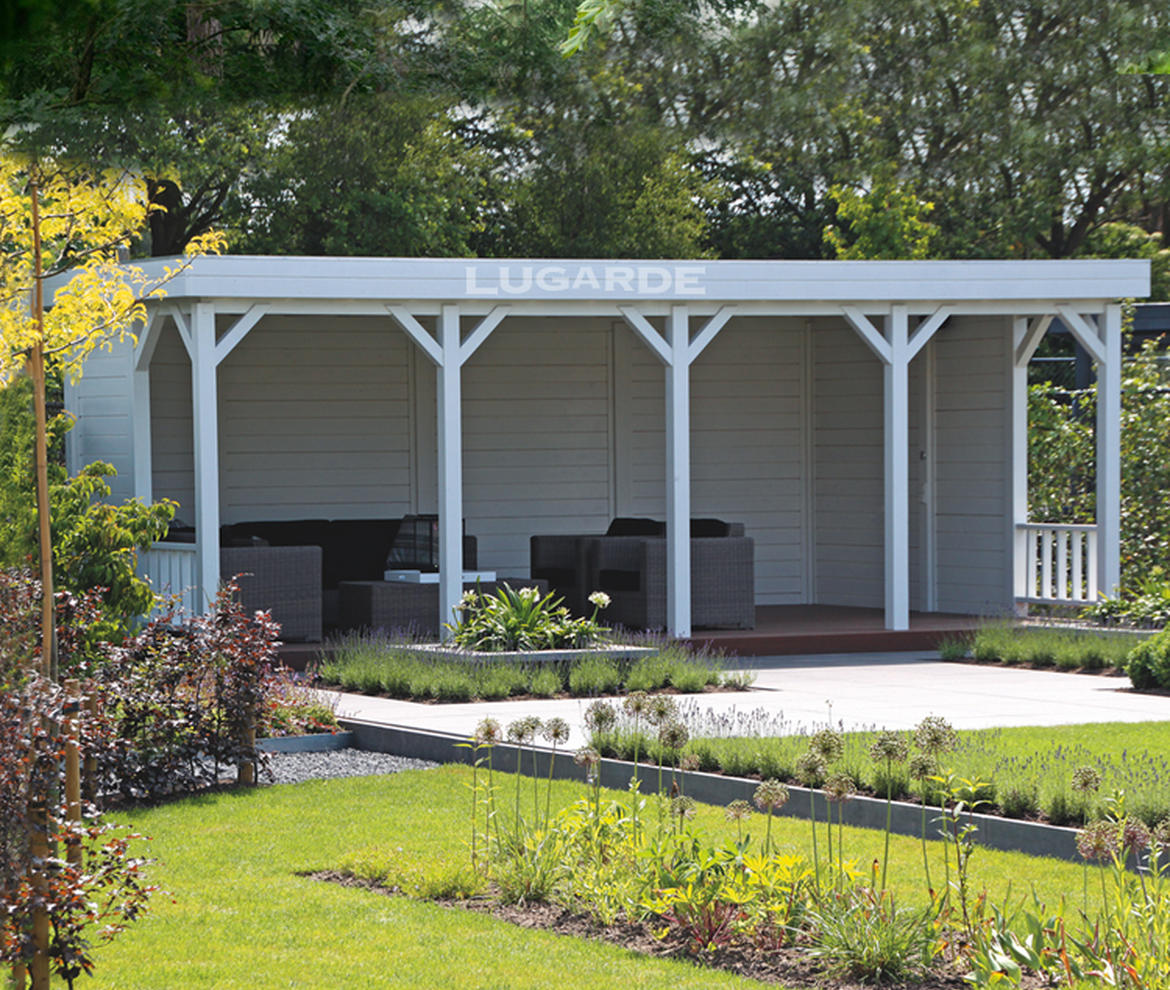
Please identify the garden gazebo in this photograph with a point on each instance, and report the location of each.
(866, 420)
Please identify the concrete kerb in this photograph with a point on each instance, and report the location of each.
(1006, 834)
(316, 742)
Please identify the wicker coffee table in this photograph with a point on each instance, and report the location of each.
(397, 605)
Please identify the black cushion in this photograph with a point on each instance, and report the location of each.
(632, 526)
(614, 580)
(708, 528)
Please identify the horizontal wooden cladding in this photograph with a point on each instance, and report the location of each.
(848, 437)
(971, 465)
(315, 420)
(536, 429)
(746, 441)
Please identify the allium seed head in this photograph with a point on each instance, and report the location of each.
(738, 810)
(922, 766)
(673, 735)
(1135, 837)
(661, 709)
(690, 761)
(1098, 841)
(682, 806)
(770, 795)
(839, 787)
(521, 730)
(556, 730)
(810, 768)
(935, 735)
(889, 747)
(1085, 779)
(600, 716)
(828, 745)
(635, 703)
(587, 757)
(487, 733)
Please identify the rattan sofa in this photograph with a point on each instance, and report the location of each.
(285, 581)
(630, 567)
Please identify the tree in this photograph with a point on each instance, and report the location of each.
(58, 218)
(375, 175)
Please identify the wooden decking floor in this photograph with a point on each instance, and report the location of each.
(784, 630)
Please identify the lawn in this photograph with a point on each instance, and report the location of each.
(1028, 770)
(238, 915)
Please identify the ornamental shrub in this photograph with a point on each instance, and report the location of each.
(94, 543)
(1148, 663)
(524, 620)
(94, 893)
(180, 699)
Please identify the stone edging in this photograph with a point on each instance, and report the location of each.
(317, 742)
(1007, 834)
(612, 651)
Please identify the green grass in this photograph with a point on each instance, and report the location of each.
(1065, 649)
(1028, 770)
(239, 916)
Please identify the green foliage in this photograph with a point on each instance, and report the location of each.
(1031, 770)
(602, 189)
(1048, 646)
(524, 619)
(94, 542)
(886, 221)
(594, 676)
(381, 176)
(863, 934)
(1145, 604)
(1061, 456)
(1148, 665)
(1061, 459)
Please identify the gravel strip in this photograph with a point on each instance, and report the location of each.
(292, 768)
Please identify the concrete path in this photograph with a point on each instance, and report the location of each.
(884, 690)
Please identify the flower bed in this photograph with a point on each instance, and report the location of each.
(376, 663)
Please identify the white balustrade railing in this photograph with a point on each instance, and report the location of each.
(1056, 563)
(170, 569)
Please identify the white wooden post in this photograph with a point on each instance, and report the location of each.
(448, 354)
(1109, 453)
(896, 349)
(677, 352)
(1026, 337)
(678, 474)
(206, 428)
(141, 425)
(450, 435)
(896, 402)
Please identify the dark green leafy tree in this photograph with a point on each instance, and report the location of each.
(374, 175)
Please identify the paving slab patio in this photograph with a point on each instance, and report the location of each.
(857, 690)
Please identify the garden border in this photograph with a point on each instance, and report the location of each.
(442, 651)
(1005, 834)
(314, 742)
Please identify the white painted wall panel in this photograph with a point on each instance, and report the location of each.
(104, 428)
(537, 427)
(315, 421)
(847, 433)
(171, 435)
(747, 441)
(974, 552)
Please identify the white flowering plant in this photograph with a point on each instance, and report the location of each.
(524, 619)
